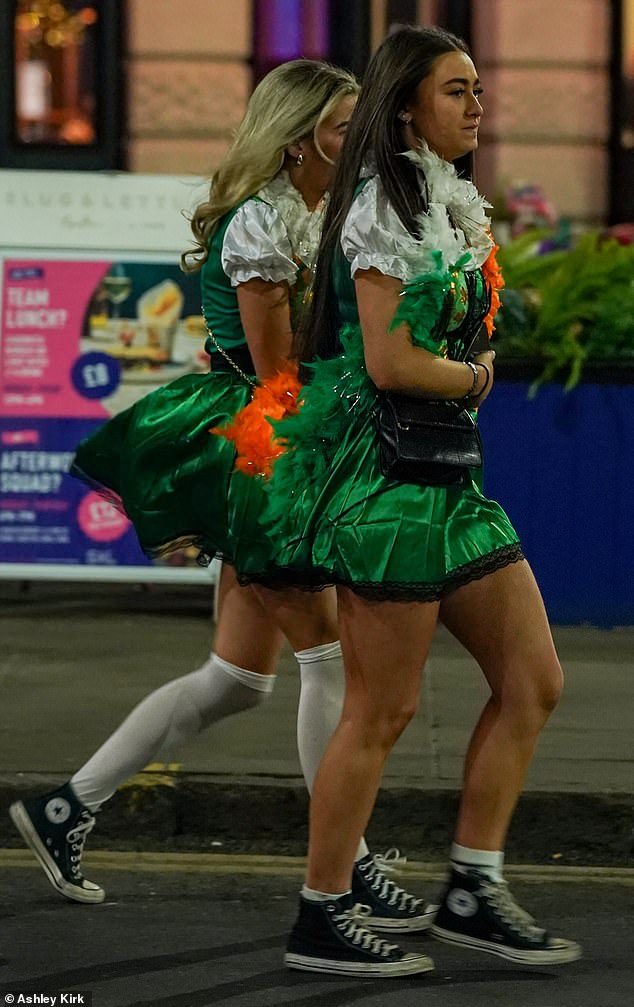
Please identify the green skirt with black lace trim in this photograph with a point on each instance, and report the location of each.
(335, 518)
(174, 479)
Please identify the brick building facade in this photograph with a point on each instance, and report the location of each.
(545, 69)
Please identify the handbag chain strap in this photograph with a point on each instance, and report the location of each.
(223, 353)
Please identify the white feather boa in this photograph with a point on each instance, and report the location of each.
(451, 199)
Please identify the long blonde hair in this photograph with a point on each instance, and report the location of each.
(288, 105)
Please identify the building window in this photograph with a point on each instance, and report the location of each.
(622, 135)
(454, 15)
(328, 29)
(56, 46)
(344, 33)
(288, 29)
(63, 105)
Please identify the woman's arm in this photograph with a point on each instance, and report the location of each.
(486, 358)
(393, 362)
(266, 320)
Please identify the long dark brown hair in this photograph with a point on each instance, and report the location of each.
(389, 83)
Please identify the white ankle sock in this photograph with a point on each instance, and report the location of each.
(311, 895)
(322, 686)
(165, 720)
(489, 862)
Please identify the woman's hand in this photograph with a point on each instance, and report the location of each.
(484, 363)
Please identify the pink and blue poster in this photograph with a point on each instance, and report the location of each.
(80, 340)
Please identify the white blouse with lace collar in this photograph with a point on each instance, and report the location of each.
(455, 223)
(268, 236)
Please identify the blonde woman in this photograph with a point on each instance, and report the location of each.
(255, 242)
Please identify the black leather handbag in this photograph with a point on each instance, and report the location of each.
(429, 442)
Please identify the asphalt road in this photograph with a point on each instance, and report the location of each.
(173, 938)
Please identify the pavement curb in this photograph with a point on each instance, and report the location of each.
(187, 814)
(272, 866)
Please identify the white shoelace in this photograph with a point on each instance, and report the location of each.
(385, 864)
(76, 837)
(498, 896)
(350, 923)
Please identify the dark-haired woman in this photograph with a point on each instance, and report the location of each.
(405, 280)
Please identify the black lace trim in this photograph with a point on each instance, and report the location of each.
(206, 554)
(187, 540)
(318, 579)
(108, 494)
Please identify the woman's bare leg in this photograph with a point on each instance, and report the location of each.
(307, 618)
(385, 646)
(246, 634)
(502, 622)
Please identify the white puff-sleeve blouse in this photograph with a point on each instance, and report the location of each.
(256, 244)
(373, 235)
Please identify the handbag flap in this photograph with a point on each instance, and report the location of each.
(408, 411)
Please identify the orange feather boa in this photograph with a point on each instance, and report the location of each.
(492, 274)
(250, 430)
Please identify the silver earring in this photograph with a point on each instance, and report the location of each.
(299, 160)
(405, 117)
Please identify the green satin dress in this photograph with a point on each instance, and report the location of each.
(158, 460)
(333, 514)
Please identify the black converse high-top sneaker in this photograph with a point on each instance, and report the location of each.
(476, 912)
(332, 937)
(55, 827)
(392, 909)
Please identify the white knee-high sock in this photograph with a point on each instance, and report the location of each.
(165, 720)
(322, 687)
